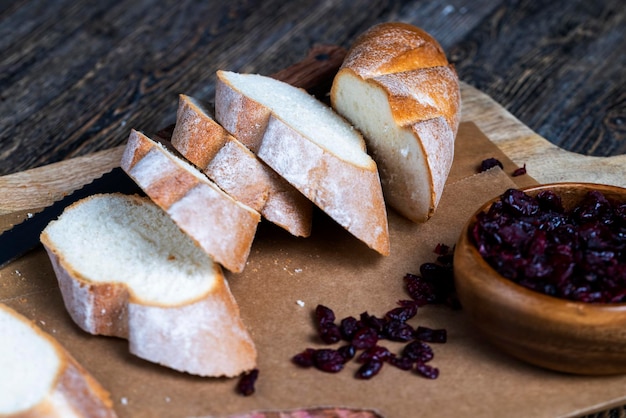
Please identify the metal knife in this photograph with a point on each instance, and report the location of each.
(23, 237)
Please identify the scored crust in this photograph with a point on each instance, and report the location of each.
(397, 87)
(391, 48)
(223, 227)
(237, 171)
(74, 391)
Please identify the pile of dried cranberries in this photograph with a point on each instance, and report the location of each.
(362, 337)
(577, 254)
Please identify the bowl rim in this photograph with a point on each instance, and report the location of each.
(523, 291)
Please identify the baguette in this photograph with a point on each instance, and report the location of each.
(220, 225)
(397, 87)
(236, 170)
(126, 270)
(310, 146)
(40, 378)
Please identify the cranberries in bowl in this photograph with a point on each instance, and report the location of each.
(540, 273)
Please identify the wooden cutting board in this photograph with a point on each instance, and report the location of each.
(544, 161)
(40, 186)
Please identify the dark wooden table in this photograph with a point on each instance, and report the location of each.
(75, 76)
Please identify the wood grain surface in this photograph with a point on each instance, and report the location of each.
(543, 79)
(75, 76)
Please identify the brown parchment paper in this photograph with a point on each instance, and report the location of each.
(331, 268)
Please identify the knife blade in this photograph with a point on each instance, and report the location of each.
(24, 236)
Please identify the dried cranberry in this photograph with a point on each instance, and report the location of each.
(365, 338)
(329, 333)
(369, 369)
(373, 322)
(431, 335)
(421, 291)
(401, 362)
(418, 351)
(427, 371)
(396, 330)
(347, 352)
(442, 249)
(489, 163)
(518, 202)
(327, 360)
(403, 313)
(246, 383)
(305, 358)
(374, 353)
(348, 326)
(324, 315)
(519, 171)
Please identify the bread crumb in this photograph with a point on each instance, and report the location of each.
(298, 270)
(42, 322)
(124, 401)
(29, 215)
(300, 303)
(167, 399)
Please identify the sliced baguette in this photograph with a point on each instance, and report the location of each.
(310, 146)
(223, 227)
(236, 170)
(397, 88)
(126, 270)
(40, 378)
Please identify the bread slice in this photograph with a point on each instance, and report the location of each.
(223, 227)
(397, 88)
(40, 378)
(310, 146)
(236, 170)
(126, 270)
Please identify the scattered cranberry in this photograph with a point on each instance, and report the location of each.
(418, 351)
(427, 371)
(369, 369)
(519, 171)
(434, 284)
(489, 163)
(403, 313)
(403, 363)
(328, 360)
(577, 254)
(324, 315)
(245, 386)
(396, 330)
(365, 338)
(349, 326)
(431, 335)
(347, 352)
(328, 331)
(374, 353)
(442, 249)
(305, 358)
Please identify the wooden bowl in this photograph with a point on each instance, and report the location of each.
(546, 331)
